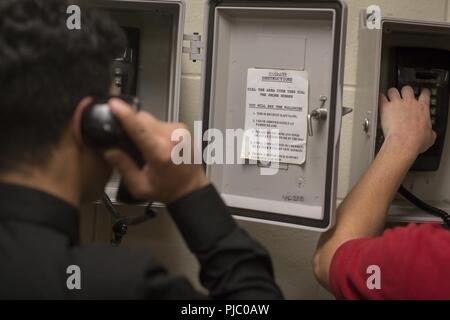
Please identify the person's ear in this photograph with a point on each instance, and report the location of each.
(76, 119)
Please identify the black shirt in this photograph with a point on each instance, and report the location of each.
(39, 241)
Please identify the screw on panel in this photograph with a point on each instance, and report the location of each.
(366, 125)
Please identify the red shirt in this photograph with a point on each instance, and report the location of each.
(404, 263)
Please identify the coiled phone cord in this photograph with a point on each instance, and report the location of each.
(424, 206)
(122, 223)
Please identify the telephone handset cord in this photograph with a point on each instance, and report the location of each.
(424, 206)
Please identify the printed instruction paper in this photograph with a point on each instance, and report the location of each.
(276, 99)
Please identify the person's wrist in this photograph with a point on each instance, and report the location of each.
(404, 146)
(197, 182)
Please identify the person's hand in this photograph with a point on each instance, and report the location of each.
(160, 179)
(406, 120)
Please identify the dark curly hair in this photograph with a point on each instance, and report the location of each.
(45, 71)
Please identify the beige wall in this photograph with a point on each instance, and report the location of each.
(291, 249)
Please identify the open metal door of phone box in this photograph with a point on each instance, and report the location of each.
(287, 36)
(404, 52)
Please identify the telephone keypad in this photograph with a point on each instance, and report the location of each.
(433, 102)
(423, 68)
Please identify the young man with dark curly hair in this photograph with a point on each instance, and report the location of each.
(48, 75)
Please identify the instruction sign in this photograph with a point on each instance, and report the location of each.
(276, 116)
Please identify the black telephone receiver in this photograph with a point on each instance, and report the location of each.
(101, 130)
(428, 68)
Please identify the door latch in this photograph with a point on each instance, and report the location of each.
(319, 114)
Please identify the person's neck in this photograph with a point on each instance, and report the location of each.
(58, 181)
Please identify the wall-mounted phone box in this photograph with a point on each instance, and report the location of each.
(295, 35)
(402, 52)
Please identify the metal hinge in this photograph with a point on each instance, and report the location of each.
(195, 49)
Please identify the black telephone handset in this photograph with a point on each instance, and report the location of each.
(101, 131)
(428, 68)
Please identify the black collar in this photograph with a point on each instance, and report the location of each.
(33, 206)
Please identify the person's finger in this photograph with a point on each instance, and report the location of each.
(393, 94)
(383, 100)
(408, 93)
(383, 104)
(425, 97)
(434, 136)
(132, 175)
(140, 127)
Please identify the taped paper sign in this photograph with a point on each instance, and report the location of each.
(276, 116)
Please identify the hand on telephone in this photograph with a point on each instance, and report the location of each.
(160, 179)
(406, 120)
